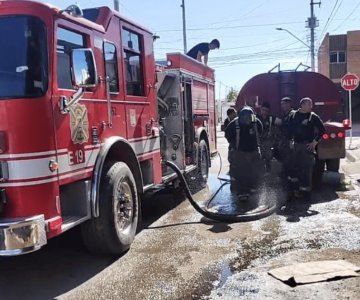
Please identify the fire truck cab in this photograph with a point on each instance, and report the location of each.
(87, 118)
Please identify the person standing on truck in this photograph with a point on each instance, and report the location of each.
(245, 159)
(306, 130)
(267, 137)
(282, 149)
(201, 50)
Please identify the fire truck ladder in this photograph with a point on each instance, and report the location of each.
(287, 80)
(287, 84)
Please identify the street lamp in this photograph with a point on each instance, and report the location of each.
(308, 46)
(184, 24)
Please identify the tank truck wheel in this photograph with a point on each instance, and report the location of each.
(115, 228)
(333, 165)
(318, 172)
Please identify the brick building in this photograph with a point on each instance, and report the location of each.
(339, 54)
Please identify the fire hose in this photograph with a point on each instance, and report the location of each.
(228, 218)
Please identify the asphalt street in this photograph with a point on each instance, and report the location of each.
(181, 255)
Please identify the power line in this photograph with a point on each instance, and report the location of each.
(330, 19)
(230, 27)
(346, 19)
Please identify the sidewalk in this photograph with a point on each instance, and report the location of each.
(353, 150)
(351, 164)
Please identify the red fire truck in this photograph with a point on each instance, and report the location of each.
(87, 118)
(272, 86)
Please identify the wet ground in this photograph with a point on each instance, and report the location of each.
(181, 255)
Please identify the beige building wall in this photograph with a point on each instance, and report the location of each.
(323, 57)
(353, 52)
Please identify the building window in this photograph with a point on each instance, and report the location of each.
(66, 41)
(337, 57)
(133, 63)
(111, 67)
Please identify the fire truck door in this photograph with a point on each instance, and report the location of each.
(76, 149)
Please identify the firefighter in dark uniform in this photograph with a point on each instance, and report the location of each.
(307, 129)
(267, 137)
(246, 165)
(231, 115)
(284, 151)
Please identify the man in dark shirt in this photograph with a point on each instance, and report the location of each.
(282, 149)
(246, 163)
(306, 131)
(267, 137)
(231, 115)
(202, 50)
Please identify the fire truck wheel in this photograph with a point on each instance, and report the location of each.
(197, 179)
(115, 228)
(203, 164)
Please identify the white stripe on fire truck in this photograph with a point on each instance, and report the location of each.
(36, 168)
(76, 173)
(145, 146)
(27, 183)
(90, 158)
(33, 154)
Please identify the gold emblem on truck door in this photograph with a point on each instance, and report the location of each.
(79, 124)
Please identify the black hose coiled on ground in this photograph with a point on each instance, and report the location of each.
(227, 218)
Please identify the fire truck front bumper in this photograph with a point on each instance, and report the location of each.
(22, 235)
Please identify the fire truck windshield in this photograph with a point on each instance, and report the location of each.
(23, 59)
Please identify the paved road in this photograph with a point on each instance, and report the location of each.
(181, 255)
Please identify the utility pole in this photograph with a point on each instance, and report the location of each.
(312, 23)
(184, 25)
(116, 5)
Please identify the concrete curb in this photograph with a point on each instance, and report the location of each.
(350, 156)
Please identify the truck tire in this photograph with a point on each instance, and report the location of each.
(333, 165)
(115, 228)
(318, 172)
(203, 164)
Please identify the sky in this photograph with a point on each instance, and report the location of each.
(245, 28)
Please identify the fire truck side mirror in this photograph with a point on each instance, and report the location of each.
(84, 73)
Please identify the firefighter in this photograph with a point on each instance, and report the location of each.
(267, 137)
(306, 129)
(283, 150)
(231, 115)
(245, 163)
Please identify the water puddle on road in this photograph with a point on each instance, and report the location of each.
(225, 202)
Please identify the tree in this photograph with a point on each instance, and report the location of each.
(231, 95)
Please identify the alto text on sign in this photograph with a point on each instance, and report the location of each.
(350, 82)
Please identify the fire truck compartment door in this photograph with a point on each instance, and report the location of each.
(171, 118)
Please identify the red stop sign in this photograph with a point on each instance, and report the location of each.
(350, 82)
